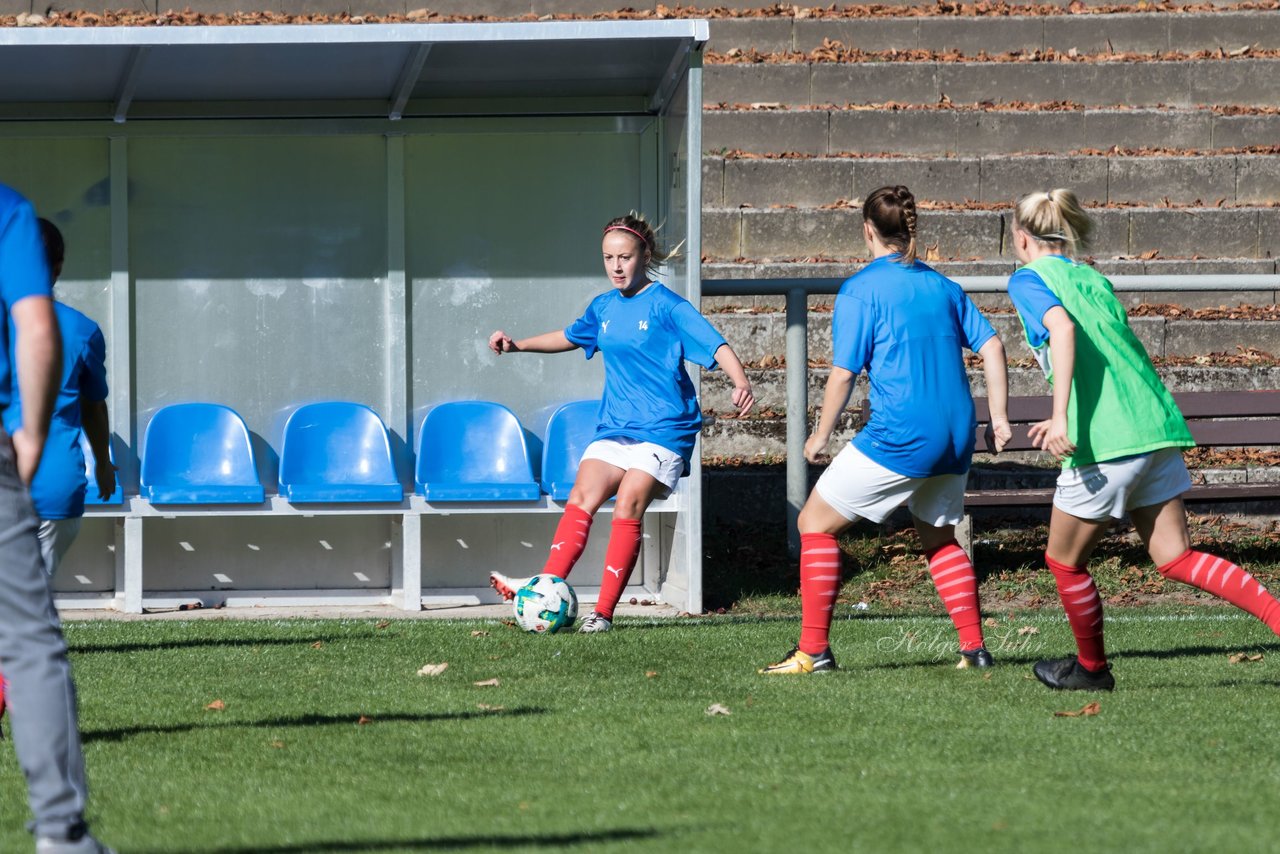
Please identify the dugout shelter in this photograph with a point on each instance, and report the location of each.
(266, 218)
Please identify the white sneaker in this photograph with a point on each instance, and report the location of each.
(595, 623)
(84, 845)
(506, 587)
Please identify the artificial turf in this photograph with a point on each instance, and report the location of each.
(328, 740)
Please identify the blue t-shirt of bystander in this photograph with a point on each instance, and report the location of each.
(58, 488)
(906, 326)
(645, 339)
(23, 273)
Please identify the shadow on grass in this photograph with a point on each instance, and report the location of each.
(1115, 655)
(348, 719)
(443, 843)
(190, 643)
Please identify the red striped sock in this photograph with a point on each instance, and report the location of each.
(819, 583)
(958, 586)
(569, 541)
(619, 560)
(1223, 578)
(1083, 605)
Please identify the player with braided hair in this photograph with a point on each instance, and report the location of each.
(907, 326)
(649, 415)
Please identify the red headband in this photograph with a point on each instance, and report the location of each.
(628, 228)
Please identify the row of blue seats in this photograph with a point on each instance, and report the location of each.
(200, 453)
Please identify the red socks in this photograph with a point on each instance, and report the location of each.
(1224, 579)
(569, 541)
(619, 560)
(1083, 605)
(819, 583)
(958, 586)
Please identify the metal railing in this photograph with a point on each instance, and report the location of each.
(797, 292)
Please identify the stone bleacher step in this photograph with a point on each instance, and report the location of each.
(759, 336)
(1173, 82)
(816, 181)
(1151, 31)
(789, 233)
(754, 438)
(970, 130)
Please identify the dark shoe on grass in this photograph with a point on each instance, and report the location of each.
(1067, 674)
(975, 658)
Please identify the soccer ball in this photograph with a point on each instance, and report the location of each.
(546, 604)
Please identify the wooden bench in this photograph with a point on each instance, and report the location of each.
(1218, 419)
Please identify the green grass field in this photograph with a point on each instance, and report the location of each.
(603, 743)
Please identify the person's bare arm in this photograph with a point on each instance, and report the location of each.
(548, 342)
(996, 372)
(39, 365)
(97, 429)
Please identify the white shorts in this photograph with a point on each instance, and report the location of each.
(855, 485)
(1106, 490)
(662, 464)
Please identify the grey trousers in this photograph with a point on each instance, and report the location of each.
(33, 658)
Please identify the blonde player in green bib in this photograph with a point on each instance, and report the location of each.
(1116, 429)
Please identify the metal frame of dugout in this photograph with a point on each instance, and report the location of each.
(265, 217)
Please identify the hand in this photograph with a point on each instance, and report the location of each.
(743, 399)
(500, 342)
(998, 434)
(26, 454)
(104, 475)
(816, 447)
(1051, 436)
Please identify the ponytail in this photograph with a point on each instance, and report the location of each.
(892, 213)
(1055, 217)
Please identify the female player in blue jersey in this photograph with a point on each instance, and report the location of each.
(907, 326)
(649, 414)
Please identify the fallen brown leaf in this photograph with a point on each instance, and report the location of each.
(1243, 657)
(990, 622)
(488, 683)
(488, 708)
(362, 720)
(650, 673)
(1086, 711)
(479, 634)
(433, 669)
(216, 705)
(716, 709)
(277, 744)
(1028, 630)
(317, 644)
(382, 624)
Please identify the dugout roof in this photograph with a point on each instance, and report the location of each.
(374, 70)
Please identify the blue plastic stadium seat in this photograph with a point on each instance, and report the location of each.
(569, 431)
(198, 453)
(337, 451)
(91, 492)
(474, 451)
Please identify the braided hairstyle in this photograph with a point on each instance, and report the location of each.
(892, 213)
(638, 227)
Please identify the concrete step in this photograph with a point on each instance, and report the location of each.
(754, 438)
(1235, 179)
(973, 131)
(1178, 83)
(1156, 266)
(1144, 32)
(757, 337)
(795, 233)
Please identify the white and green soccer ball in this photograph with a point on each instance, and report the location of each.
(546, 604)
